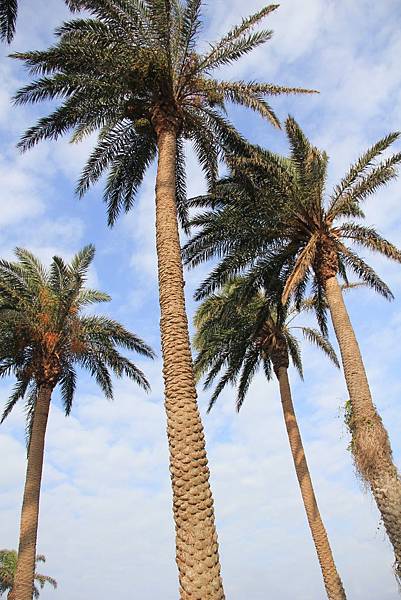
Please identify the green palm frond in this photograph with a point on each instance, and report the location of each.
(315, 337)
(294, 351)
(68, 383)
(8, 18)
(250, 367)
(369, 238)
(364, 272)
(358, 170)
(42, 579)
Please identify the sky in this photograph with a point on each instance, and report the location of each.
(106, 523)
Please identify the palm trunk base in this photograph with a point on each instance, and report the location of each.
(386, 489)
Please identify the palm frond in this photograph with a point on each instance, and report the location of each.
(302, 265)
(358, 169)
(364, 272)
(369, 238)
(8, 18)
(250, 367)
(294, 350)
(315, 337)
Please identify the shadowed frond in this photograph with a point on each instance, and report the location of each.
(315, 337)
(8, 18)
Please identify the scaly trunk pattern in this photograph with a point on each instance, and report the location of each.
(11, 595)
(370, 444)
(332, 581)
(196, 539)
(24, 575)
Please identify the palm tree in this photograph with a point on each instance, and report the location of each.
(44, 335)
(8, 565)
(134, 73)
(8, 18)
(296, 234)
(237, 339)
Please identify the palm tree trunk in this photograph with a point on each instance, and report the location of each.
(11, 595)
(196, 539)
(370, 443)
(24, 575)
(332, 581)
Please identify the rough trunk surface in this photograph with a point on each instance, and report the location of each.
(196, 539)
(24, 575)
(370, 444)
(331, 578)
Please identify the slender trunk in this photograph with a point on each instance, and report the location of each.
(370, 444)
(11, 595)
(196, 539)
(24, 575)
(332, 581)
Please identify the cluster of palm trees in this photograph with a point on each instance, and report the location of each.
(131, 72)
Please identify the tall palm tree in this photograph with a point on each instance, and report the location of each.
(44, 335)
(8, 18)
(8, 566)
(133, 72)
(236, 339)
(295, 233)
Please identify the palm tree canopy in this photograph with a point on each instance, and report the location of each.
(272, 218)
(45, 333)
(132, 70)
(237, 338)
(8, 565)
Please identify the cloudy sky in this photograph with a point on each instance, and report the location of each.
(105, 523)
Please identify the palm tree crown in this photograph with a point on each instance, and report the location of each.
(45, 335)
(8, 565)
(238, 338)
(132, 70)
(279, 226)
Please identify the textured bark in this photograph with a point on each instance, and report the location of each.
(24, 575)
(331, 578)
(370, 444)
(11, 595)
(196, 539)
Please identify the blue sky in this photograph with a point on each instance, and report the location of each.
(106, 523)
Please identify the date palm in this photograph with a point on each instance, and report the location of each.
(8, 565)
(44, 336)
(133, 73)
(301, 236)
(236, 339)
